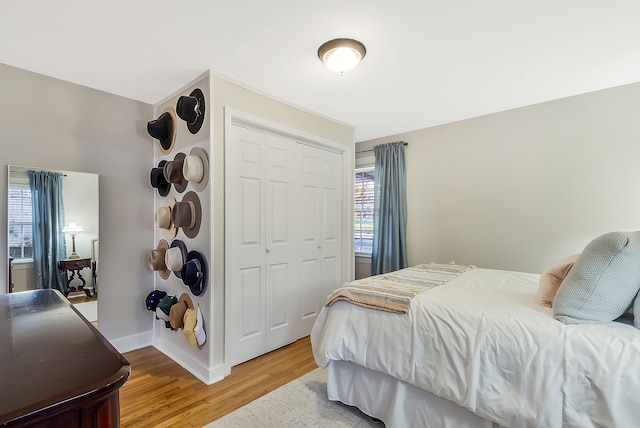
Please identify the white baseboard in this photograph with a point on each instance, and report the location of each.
(204, 374)
(133, 342)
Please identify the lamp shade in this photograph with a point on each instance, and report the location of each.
(72, 228)
(341, 55)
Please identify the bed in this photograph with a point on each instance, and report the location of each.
(479, 350)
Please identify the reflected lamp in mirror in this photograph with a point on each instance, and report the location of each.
(73, 229)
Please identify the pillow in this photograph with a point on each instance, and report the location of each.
(551, 279)
(636, 310)
(603, 282)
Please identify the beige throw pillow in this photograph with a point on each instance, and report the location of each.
(552, 277)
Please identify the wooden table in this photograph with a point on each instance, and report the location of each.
(75, 266)
(56, 369)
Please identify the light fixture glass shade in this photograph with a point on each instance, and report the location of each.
(72, 229)
(341, 55)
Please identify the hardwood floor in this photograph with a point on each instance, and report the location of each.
(160, 393)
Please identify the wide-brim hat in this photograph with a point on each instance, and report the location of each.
(191, 109)
(164, 129)
(156, 177)
(173, 172)
(187, 214)
(201, 335)
(195, 168)
(163, 220)
(189, 327)
(195, 272)
(176, 315)
(153, 298)
(155, 259)
(176, 257)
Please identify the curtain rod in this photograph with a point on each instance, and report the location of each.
(370, 150)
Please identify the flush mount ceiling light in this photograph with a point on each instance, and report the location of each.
(341, 55)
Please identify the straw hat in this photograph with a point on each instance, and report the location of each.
(155, 259)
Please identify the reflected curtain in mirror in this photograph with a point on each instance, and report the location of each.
(49, 245)
(389, 251)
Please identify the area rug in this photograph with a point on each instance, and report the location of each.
(89, 310)
(300, 403)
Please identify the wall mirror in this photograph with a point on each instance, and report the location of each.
(52, 234)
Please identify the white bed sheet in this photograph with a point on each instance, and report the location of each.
(483, 342)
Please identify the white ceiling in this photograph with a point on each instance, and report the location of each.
(428, 62)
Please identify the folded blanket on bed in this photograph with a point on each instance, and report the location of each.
(392, 292)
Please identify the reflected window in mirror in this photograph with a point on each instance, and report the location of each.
(20, 220)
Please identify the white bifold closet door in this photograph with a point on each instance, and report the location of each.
(282, 246)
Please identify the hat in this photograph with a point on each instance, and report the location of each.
(175, 257)
(195, 168)
(191, 110)
(163, 218)
(158, 181)
(193, 328)
(187, 214)
(163, 129)
(153, 298)
(176, 315)
(155, 259)
(194, 272)
(172, 171)
(164, 308)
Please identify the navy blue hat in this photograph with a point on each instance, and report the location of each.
(194, 272)
(153, 299)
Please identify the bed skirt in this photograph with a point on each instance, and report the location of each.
(409, 406)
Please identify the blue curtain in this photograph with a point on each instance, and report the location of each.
(389, 209)
(49, 245)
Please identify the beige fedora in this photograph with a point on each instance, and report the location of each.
(172, 171)
(176, 314)
(155, 259)
(175, 257)
(187, 214)
(195, 168)
(163, 218)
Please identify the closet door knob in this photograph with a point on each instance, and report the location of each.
(319, 247)
(267, 250)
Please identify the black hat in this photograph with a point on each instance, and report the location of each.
(163, 129)
(191, 110)
(158, 181)
(194, 272)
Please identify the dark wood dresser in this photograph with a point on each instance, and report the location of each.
(56, 369)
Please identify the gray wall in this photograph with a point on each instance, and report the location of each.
(520, 189)
(53, 124)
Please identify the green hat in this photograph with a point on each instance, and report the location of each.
(164, 308)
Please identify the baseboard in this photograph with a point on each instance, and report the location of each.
(133, 342)
(204, 374)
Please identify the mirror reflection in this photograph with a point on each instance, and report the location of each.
(53, 234)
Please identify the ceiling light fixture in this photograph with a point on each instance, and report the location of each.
(341, 55)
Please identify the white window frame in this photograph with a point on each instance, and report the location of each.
(364, 167)
(22, 184)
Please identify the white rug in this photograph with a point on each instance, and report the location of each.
(89, 310)
(300, 403)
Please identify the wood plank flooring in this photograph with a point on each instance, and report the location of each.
(160, 393)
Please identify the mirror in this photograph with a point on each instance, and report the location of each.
(79, 236)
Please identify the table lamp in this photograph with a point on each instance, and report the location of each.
(73, 229)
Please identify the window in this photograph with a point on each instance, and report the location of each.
(20, 219)
(363, 210)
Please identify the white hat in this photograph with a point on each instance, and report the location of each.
(201, 336)
(195, 168)
(163, 218)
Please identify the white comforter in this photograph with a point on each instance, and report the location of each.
(483, 342)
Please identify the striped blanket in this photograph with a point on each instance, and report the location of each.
(392, 292)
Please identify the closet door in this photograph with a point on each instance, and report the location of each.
(319, 257)
(244, 245)
(281, 271)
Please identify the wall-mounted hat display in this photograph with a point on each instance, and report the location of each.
(164, 308)
(158, 181)
(193, 328)
(155, 259)
(191, 109)
(187, 214)
(173, 172)
(153, 299)
(163, 129)
(163, 218)
(194, 272)
(195, 168)
(176, 315)
(175, 257)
